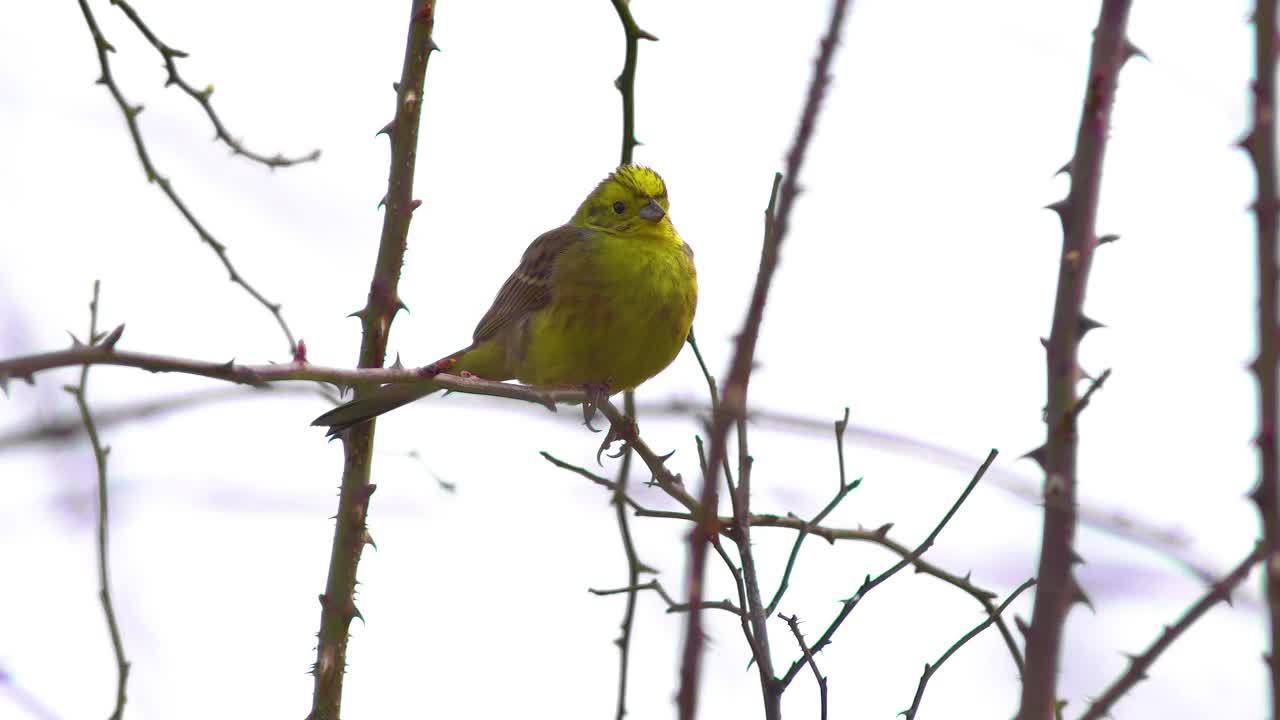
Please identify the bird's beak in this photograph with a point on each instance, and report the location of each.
(652, 212)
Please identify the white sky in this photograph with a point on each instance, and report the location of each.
(917, 277)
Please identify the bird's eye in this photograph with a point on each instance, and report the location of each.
(619, 207)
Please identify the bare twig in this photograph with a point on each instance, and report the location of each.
(929, 670)
(672, 605)
(841, 494)
(131, 113)
(170, 57)
(794, 623)
(1058, 588)
(757, 612)
(1260, 143)
(337, 604)
(1140, 664)
(870, 584)
(734, 394)
(100, 453)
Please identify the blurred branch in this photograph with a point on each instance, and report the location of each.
(929, 670)
(131, 112)
(337, 604)
(100, 453)
(170, 56)
(794, 623)
(733, 402)
(1140, 664)
(869, 584)
(1168, 542)
(66, 428)
(1260, 144)
(1058, 588)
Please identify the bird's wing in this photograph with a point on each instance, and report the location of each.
(529, 287)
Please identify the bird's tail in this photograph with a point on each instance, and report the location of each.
(381, 400)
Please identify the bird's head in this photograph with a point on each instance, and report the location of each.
(632, 199)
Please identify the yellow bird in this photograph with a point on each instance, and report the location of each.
(604, 302)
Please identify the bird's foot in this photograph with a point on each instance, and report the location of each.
(625, 430)
(597, 393)
(440, 366)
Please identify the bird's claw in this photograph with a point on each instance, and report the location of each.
(596, 394)
(624, 431)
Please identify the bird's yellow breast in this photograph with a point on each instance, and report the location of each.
(621, 308)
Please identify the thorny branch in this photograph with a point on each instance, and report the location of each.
(1140, 664)
(100, 460)
(1058, 588)
(626, 84)
(870, 584)
(929, 670)
(337, 604)
(794, 623)
(131, 112)
(1260, 144)
(733, 401)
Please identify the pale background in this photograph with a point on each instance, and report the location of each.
(918, 275)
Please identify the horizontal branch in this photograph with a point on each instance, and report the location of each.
(27, 366)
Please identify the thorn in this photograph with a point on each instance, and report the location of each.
(414, 205)
(367, 539)
(644, 35)
(1075, 558)
(666, 457)
(884, 530)
(386, 129)
(1078, 595)
(75, 341)
(1131, 51)
(1108, 239)
(1065, 169)
(397, 365)
(399, 305)
(383, 202)
(1022, 626)
(432, 46)
(109, 342)
(300, 352)
(1061, 207)
(1086, 324)
(4, 385)
(1044, 341)
(396, 87)
(360, 313)
(228, 364)
(1040, 455)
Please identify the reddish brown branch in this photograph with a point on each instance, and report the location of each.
(1058, 589)
(1140, 664)
(734, 398)
(337, 604)
(1260, 143)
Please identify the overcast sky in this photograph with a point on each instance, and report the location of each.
(918, 276)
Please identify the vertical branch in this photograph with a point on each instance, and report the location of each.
(733, 400)
(100, 459)
(1058, 589)
(626, 84)
(1260, 143)
(770, 688)
(337, 604)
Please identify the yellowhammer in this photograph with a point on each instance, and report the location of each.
(604, 302)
